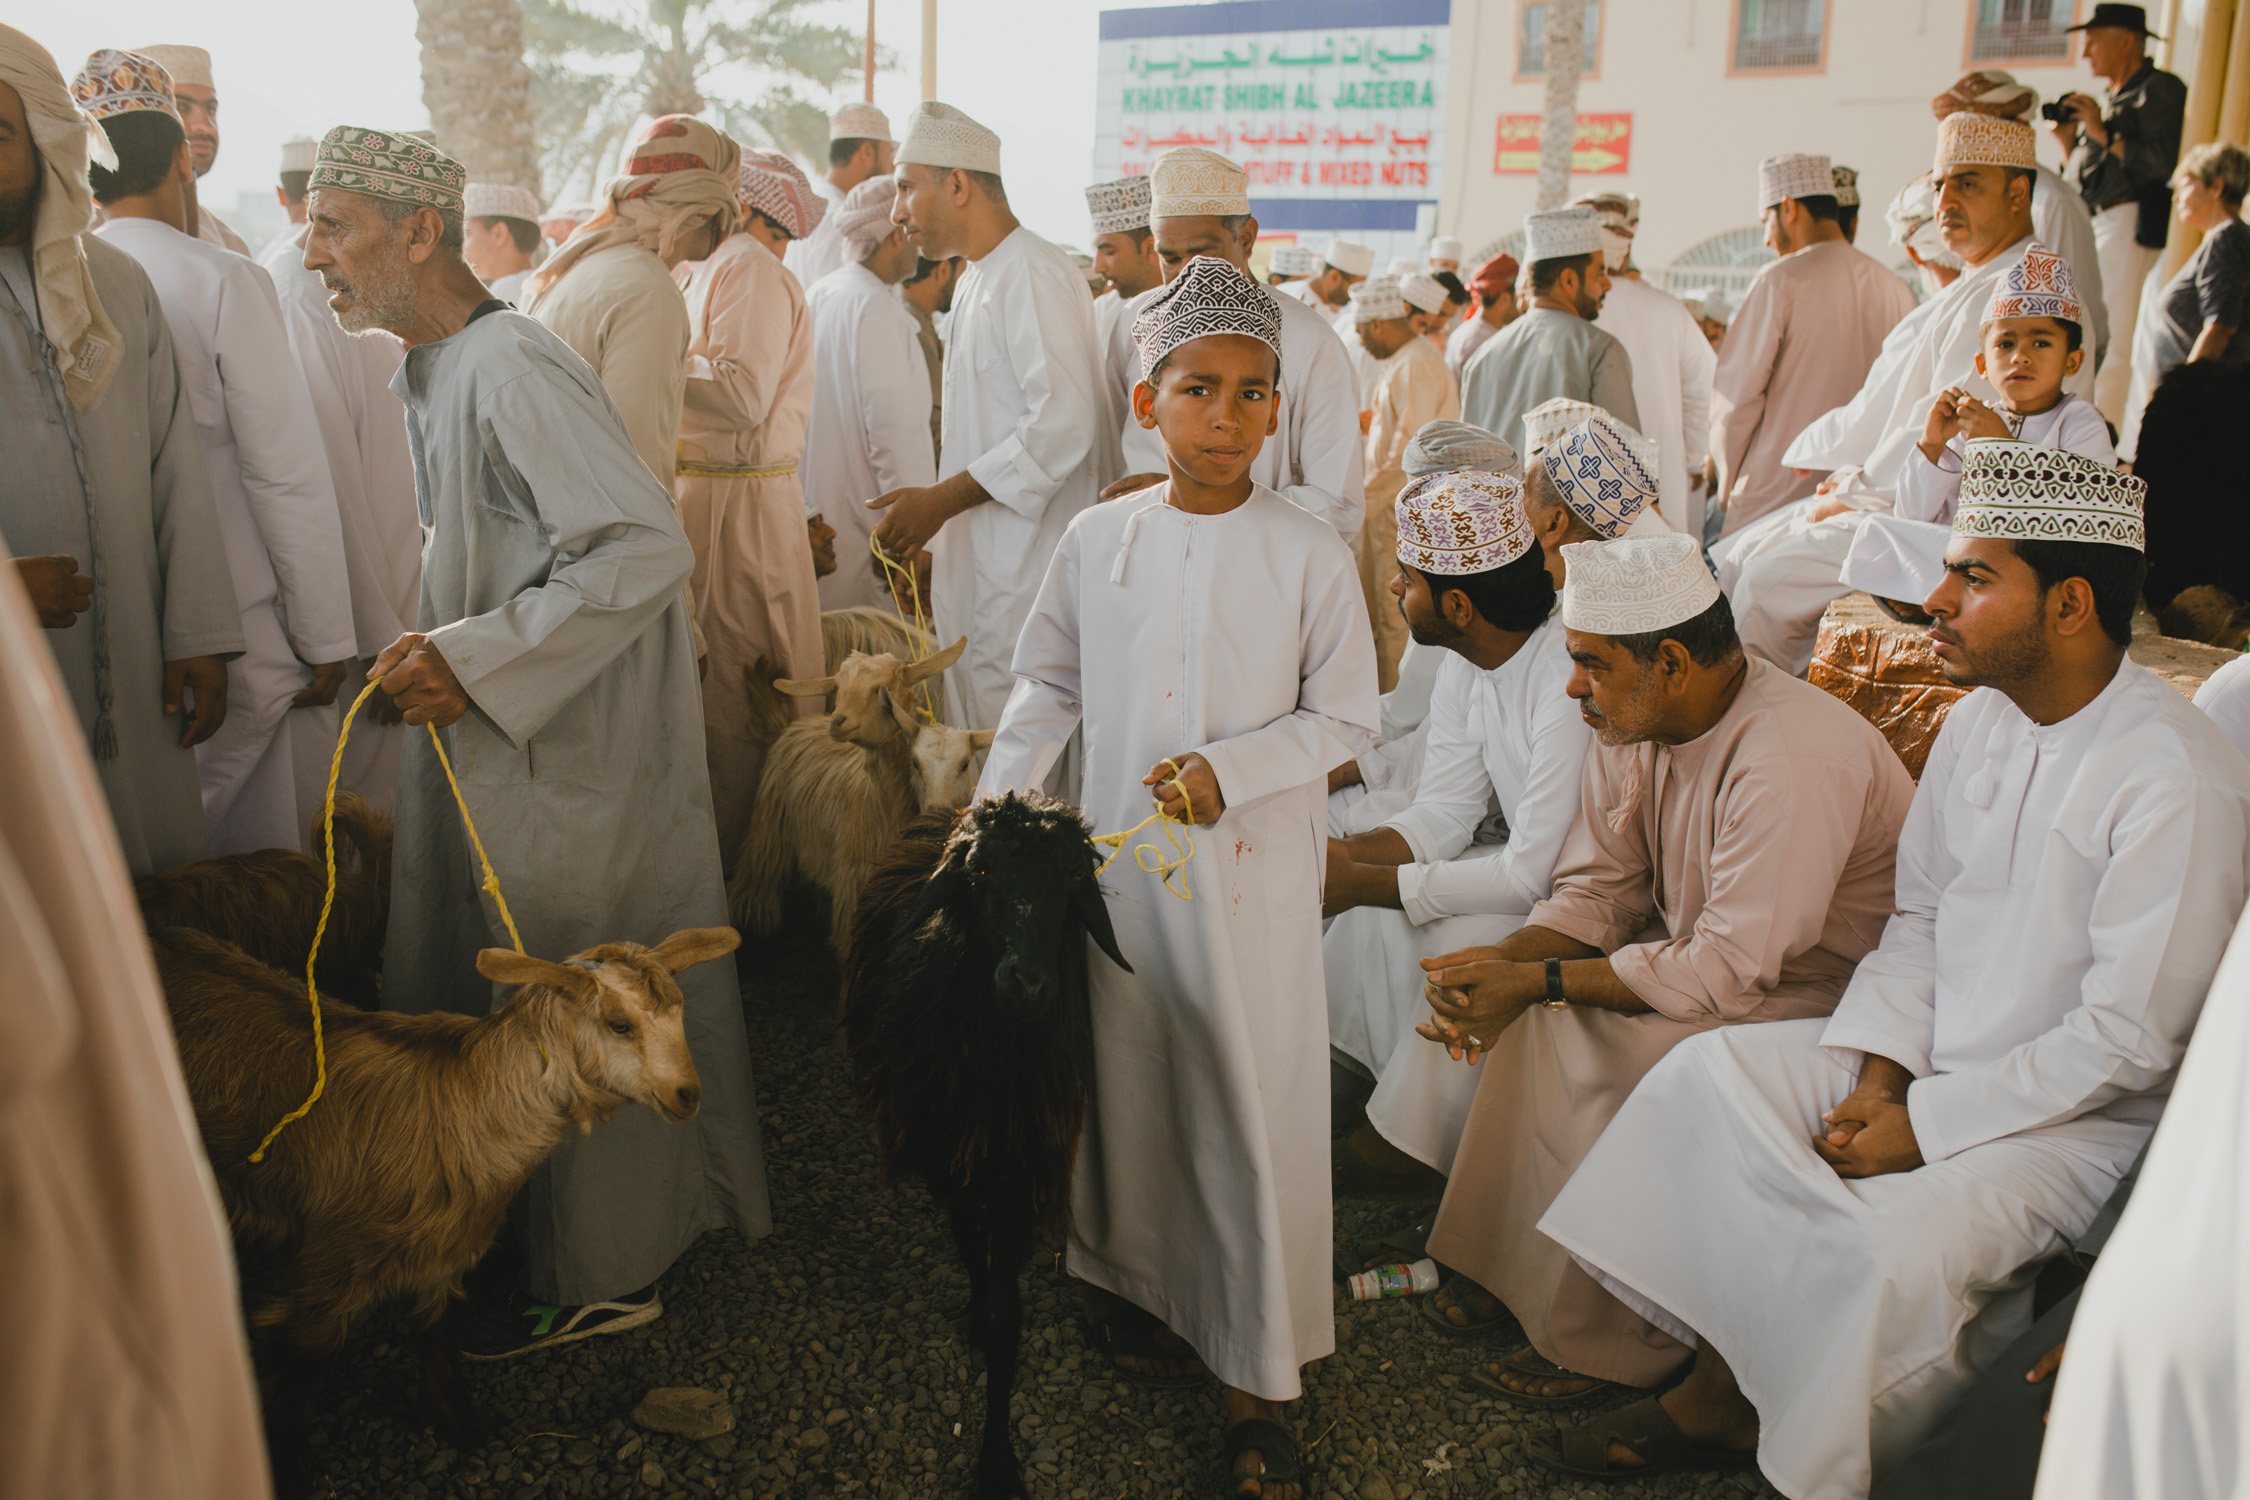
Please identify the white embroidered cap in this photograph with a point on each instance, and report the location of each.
(1550, 419)
(496, 200)
(1294, 261)
(1446, 247)
(2021, 492)
(1972, 140)
(1461, 522)
(1560, 233)
(1377, 298)
(1119, 206)
(938, 135)
(188, 65)
(859, 122)
(1208, 297)
(1443, 446)
(2038, 286)
(1188, 182)
(1635, 584)
(1796, 175)
(1349, 257)
(1425, 293)
(301, 153)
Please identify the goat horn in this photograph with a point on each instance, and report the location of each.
(806, 687)
(930, 666)
(981, 739)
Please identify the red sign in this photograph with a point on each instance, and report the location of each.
(1604, 143)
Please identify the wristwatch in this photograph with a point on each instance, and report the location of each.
(1555, 999)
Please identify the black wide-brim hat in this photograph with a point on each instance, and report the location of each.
(2131, 18)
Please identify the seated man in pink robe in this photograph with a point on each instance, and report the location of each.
(1731, 862)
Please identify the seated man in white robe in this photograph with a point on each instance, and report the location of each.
(1845, 1218)
(1786, 568)
(1473, 585)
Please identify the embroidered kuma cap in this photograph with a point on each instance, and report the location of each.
(1601, 476)
(1120, 206)
(859, 122)
(1635, 584)
(381, 164)
(494, 200)
(1208, 297)
(1445, 446)
(1560, 233)
(1377, 298)
(1795, 175)
(2038, 286)
(1190, 182)
(188, 65)
(1423, 293)
(1550, 419)
(1462, 522)
(938, 135)
(2021, 492)
(1294, 261)
(300, 153)
(117, 83)
(1349, 257)
(1973, 140)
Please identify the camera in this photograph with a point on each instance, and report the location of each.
(2057, 111)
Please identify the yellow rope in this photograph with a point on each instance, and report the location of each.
(1183, 845)
(328, 836)
(892, 572)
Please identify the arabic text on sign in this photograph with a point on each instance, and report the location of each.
(1602, 144)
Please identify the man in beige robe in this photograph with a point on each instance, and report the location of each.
(1802, 341)
(1731, 862)
(1392, 317)
(749, 398)
(127, 1373)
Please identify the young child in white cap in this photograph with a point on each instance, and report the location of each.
(1211, 639)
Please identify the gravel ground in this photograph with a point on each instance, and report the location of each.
(833, 1340)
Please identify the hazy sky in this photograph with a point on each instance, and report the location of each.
(283, 70)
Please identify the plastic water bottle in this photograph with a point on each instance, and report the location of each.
(1395, 1281)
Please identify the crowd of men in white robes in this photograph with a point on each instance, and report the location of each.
(1652, 952)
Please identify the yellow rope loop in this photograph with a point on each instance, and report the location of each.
(1150, 858)
(893, 570)
(328, 901)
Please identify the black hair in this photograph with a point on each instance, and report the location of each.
(1514, 596)
(145, 140)
(1708, 638)
(843, 150)
(765, 218)
(294, 185)
(1140, 236)
(2114, 574)
(1454, 290)
(449, 224)
(925, 268)
(1545, 272)
(993, 187)
(521, 232)
(1821, 206)
(1847, 219)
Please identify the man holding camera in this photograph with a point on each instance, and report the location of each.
(2122, 159)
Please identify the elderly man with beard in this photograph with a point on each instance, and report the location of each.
(554, 652)
(1730, 863)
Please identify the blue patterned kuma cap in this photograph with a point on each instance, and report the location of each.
(2021, 492)
(1208, 297)
(1600, 477)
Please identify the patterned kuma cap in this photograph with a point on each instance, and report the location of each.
(2038, 286)
(1208, 297)
(938, 135)
(496, 200)
(1635, 584)
(1349, 257)
(2021, 492)
(1600, 477)
(300, 153)
(1446, 247)
(1550, 419)
(1445, 446)
(188, 65)
(1847, 186)
(1465, 521)
(1294, 261)
(1189, 182)
(1423, 293)
(117, 83)
(859, 122)
(1973, 140)
(1119, 207)
(1560, 233)
(1796, 175)
(1377, 298)
(385, 164)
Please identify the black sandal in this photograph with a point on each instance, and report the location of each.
(1274, 1443)
(1536, 1366)
(1646, 1428)
(1504, 1323)
(1130, 1333)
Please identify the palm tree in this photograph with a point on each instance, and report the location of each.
(598, 69)
(1558, 127)
(477, 89)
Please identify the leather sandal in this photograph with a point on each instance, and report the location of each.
(1646, 1428)
(1532, 1365)
(1274, 1443)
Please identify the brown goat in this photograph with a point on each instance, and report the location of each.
(267, 902)
(398, 1180)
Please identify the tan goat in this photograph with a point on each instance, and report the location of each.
(835, 793)
(397, 1181)
(876, 632)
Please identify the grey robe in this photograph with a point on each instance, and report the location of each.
(163, 590)
(1542, 355)
(552, 585)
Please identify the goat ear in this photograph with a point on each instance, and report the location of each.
(930, 666)
(981, 739)
(695, 945)
(1093, 911)
(503, 966)
(946, 884)
(805, 687)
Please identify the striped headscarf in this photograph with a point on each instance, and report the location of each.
(680, 173)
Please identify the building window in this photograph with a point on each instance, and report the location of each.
(2028, 31)
(1531, 40)
(1780, 36)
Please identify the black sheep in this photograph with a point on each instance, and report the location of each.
(971, 1042)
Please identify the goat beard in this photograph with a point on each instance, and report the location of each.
(587, 1111)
